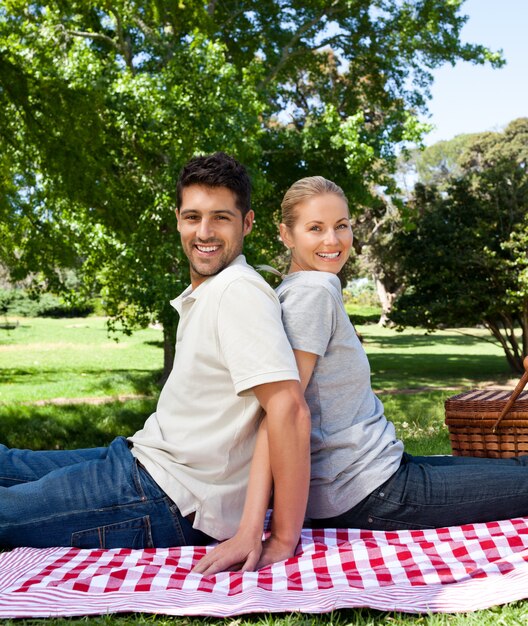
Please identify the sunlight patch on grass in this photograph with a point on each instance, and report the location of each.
(57, 358)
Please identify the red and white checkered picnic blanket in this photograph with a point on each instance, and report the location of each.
(444, 570)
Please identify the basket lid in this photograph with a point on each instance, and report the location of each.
(484, 400)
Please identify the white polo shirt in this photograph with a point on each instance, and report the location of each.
(198, 444)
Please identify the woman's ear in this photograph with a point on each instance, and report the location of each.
(285, 236)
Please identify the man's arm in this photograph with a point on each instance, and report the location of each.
(288, 425)
(272, 550)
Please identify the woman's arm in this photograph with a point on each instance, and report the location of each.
(305, 364)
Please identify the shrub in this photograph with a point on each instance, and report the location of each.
(22, 303)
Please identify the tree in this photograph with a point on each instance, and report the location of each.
(103, 101)
(375, 236)
(465, 262)
(439, 163)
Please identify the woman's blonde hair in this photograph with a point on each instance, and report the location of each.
(303, 190)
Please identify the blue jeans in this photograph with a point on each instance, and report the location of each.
(437, 491)
(92, 498)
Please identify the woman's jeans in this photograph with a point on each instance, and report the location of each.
(93, 498)
(437, 491)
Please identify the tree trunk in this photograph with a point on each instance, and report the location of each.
(524, 326)
(386, 298)
(169, 349)
(515, 359)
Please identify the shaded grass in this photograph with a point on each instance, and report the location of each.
(413, 358)
(53, 427)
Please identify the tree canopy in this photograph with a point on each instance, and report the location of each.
(466, 262)
(441, 162)
(103, 101)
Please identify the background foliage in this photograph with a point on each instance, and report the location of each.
(465, 260)
(101, 103)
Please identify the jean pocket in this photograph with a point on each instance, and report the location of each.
(387, 524)
(133, 533)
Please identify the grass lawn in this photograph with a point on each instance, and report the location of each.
(45, 359)
(76, 358)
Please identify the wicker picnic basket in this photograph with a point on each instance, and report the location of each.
(489, 423)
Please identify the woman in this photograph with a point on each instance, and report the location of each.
(360, 475)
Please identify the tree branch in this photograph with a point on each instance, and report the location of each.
(122, 46)
(524, 325)
(509, 329)
(495, 331)
(287, 53)
(461, 332)
(126, 46)
(145, 28)
(211, 5)
(99, 36)
(232, 17)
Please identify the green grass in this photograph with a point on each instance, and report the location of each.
(44, 359)
(414, 359)
(52, 427)
(363, 313)
(362, 309)
(76, 358)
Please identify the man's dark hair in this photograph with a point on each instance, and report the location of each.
(217, 170)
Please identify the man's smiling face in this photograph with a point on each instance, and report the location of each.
(212, 229)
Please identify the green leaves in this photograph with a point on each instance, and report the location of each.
(466, 261)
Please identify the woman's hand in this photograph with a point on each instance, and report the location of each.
(240, 553)
(273, 551)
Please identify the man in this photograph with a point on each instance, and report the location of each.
(182, 479)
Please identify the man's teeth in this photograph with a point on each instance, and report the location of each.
(328, 255)
(207, 248)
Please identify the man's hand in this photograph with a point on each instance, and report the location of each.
(240, 553)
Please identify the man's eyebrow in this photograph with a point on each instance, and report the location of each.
(214, 212)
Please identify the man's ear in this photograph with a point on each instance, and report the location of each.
(249, 217)
(177, 219)
(285, 236)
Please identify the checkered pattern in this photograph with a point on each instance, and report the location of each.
(443, 570)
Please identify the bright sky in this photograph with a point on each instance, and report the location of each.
(473, 98)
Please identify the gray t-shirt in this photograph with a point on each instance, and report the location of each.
(354, 447)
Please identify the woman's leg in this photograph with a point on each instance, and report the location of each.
(104, 502)
(461, 461)
(431, 492)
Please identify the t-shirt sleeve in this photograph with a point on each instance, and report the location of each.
(309, 317)
(252, 341)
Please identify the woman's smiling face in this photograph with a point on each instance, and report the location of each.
(321, 238)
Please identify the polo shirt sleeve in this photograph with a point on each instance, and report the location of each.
(252, 341)
(309, 317)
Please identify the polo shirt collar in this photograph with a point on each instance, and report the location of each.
(190, 294)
